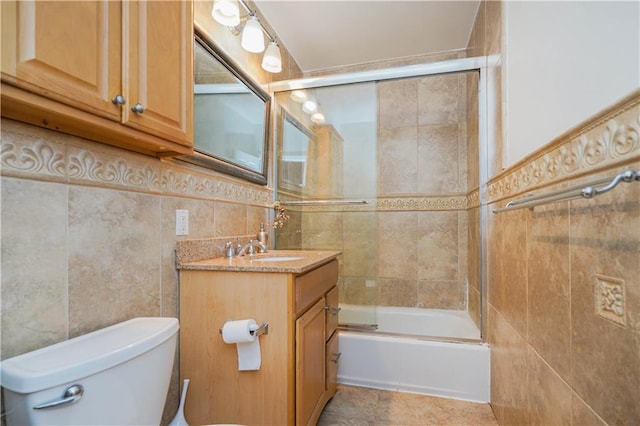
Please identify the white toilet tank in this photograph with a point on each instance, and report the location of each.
(122, 373)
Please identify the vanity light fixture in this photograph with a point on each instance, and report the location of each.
(299, 96)
(272, 61)
(318, 117)
(226, 12)
(252, 38)
(310, 106)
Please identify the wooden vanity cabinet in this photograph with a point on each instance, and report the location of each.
(83, 67)
(299, 355)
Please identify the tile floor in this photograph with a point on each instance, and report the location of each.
(356, 406)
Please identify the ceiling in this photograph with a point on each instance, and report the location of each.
(333, 33)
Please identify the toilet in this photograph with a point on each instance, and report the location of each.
(118, 375)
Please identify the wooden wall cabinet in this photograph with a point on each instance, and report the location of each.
(299, 355)
(115, 72)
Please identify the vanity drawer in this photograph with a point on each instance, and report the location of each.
(314, 285)
(332, 308)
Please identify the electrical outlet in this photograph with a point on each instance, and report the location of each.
(182, 222)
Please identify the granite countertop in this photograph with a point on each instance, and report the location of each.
(294, 261)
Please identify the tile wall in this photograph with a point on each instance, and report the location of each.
(88, 230)
(408, 247)
(563, 279)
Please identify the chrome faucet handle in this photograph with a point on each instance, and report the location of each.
(262, 247)
(250, 249)
(228, 249)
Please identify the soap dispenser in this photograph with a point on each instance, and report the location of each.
(263, 235)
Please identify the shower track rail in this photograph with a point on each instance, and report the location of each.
(322, 202)
(589, 191)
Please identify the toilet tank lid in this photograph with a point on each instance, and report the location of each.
(85, 355)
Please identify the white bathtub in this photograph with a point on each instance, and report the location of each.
(429, 367)
(415, 321)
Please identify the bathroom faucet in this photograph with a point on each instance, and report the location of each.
(249, 248)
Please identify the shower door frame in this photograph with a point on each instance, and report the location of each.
(478, 64)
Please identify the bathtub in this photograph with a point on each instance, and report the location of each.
(436, 323)
(458, 370)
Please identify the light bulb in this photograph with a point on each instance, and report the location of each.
(317, 117)
(226, 12)
(309, 106)
(299, 96)
(272, 61)
(252, 37)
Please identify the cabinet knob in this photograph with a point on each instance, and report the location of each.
(119, 100)
(332, 310)
(137, 108)
(336, 357)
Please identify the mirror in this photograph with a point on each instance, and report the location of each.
(293, 152)
(231, 116)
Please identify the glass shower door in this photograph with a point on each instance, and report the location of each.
(387, 175)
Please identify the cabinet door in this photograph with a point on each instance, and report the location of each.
(310, 363)
(67, 51)
(158, 68)
(333, 357)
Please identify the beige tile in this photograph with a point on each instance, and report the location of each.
(441, 295)
(472, 133)
(473, 306)
(201, 220)
(256, 216)
(408, 409)
(583, 415)
(397, 292)
(438, 246)
(494, 28)
(322, 231)
(605, 242)
(549, 397)
(34, 265)
(398, 160)
(353, 402)
(507, 267)
(438, 159)
(509, 363)
(114, 251)
(397, 103)
(355, 291)
(438, 100)
(230, 220)
(549, 326)
(359, 245)
(397, 245)
(476, 44)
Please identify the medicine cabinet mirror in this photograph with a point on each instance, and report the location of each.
(231, 115)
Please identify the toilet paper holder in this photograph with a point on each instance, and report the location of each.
(262, 329)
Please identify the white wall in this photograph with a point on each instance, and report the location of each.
(564, 62)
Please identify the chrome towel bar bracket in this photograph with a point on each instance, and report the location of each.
(588, 191)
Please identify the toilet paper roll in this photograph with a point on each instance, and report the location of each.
(239, 331)
(247, 345)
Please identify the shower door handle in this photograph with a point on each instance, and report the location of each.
(71, 395)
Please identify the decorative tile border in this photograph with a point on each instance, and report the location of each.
(401, 203)
(435, 202)
(609, 297)
(610, 138)
(33, 153)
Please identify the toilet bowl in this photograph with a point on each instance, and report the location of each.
(118, 375)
